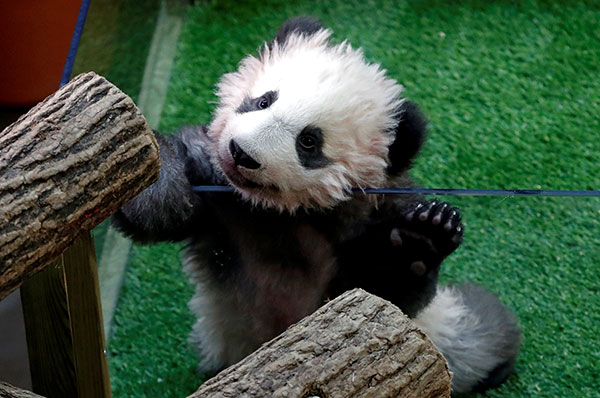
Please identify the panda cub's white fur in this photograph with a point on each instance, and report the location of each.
(332, 87)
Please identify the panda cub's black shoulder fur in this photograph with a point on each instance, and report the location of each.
(296, 128)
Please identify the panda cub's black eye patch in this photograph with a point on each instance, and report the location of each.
(309, 146)
(259, 103)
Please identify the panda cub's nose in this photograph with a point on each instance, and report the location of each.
(241, 158)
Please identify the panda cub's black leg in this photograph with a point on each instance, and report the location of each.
(422, 237)
(398, 256)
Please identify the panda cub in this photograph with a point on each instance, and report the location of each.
(296, 128)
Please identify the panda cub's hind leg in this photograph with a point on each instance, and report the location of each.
(476, 333)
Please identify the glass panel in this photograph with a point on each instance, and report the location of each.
(115, 43)
(511, 93)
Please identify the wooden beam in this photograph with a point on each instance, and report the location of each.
(357, 345)
(87, 327)
(63, 320)
(49, 336)
(65, 166)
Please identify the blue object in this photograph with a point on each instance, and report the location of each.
(440, 191)
(66, 76)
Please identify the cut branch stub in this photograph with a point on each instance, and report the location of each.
(65, 166)
(8, 391)
(357, 345)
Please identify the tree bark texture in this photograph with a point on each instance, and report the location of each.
(65, 166)
(8, 391)
(357, 345)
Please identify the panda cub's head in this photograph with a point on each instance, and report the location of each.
(306, 121)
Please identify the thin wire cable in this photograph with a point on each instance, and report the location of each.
(439, 191)
(66, 75)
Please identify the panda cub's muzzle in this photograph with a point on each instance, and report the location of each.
(241, 158)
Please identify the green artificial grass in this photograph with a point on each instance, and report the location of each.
(149, 354)
(511, 90)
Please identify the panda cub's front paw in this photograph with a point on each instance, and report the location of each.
(439, 222)
(427, 233)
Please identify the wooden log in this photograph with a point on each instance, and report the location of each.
(65, 166)
(357, 345)
(8, 391)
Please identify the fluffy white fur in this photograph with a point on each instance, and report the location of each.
(457, 331)
(329, 86)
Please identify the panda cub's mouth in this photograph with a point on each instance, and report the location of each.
(234, 161)
(237, 179)
(244, 183)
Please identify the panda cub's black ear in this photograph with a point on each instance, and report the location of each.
(410, 135)
(305, 24)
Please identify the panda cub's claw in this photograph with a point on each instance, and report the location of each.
(436, 224)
